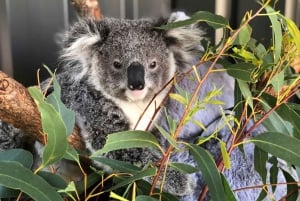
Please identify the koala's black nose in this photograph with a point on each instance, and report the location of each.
(135, 75)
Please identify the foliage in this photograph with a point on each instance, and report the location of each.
(265, 83)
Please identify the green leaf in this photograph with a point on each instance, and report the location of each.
(72, 154)
(277, 81)
(53, 179)
(277, 33)
(68, 116)
(145, 198)
(120, 166)
(292, 189)
(225, 155)
(245, 90)
(14, 175)
(18, 155)
(140, 175)
(128, 139)
(273, 172)
(241, 71)
(215, 21)
(168, 137)
(260, 159)
(245, 35)
(209, 171)
(279, 145)
(183, 167)
(294, 31)
(286, 118)
(8, 193)
(228, 192)
(178, 98)
(53, 126)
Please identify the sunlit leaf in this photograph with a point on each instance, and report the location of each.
(279, 145)
(225, 155)
(294, 31)
(15, 176)
(277, 33)
(53, 126)
(128, 139)
(178, 98)
(209, 171)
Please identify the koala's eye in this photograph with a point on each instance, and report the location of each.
(153, 65)
(117, 64)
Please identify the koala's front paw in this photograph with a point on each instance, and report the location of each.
(178, 183)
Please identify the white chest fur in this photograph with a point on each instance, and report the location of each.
(139, 114)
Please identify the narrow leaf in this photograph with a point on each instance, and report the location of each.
(178, 98)
(15, 176)
(128, 139)
(120, 166)
(279, 145)
(245, 90)
(294, 31)
(273, 172)
(140, 175)
(225, 155)
(277, 33)
(144, 198)
(292, 189)
(209, 171)
(168, 137)
(183, 167)
(260, 159)
(53, 126)
(228, 192)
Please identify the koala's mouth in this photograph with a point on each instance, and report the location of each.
(136, 95)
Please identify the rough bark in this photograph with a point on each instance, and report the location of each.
(19, 109)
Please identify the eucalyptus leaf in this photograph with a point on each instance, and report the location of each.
(215, 21)
(167, 136)
(137, 176)
(294, 31)
(241, 71)
(144, 198)
(209, 171)
(225, 155)
(245, 90)
(279, 145)
(274, 172)
(292, 187)
(18, 155)
(277, 33)
(68, 116)
(14, 175)
(53, 179)
(183, 167)
(120, 166)
(245, 35)
(260, 159)
(53, 126)
(228, 192)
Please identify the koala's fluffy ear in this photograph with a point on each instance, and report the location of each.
(184, 42)
(79, 40)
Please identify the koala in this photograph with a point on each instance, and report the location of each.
(115, 75)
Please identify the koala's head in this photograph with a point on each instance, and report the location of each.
(129, 59)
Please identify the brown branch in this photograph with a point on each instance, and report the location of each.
(88, 9)
(19, 109)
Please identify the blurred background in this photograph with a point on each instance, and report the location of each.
(28, 28)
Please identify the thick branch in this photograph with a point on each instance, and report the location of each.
(88, 9)
(19, 109)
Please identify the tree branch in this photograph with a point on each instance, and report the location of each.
(19, 109)
(88, 9)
